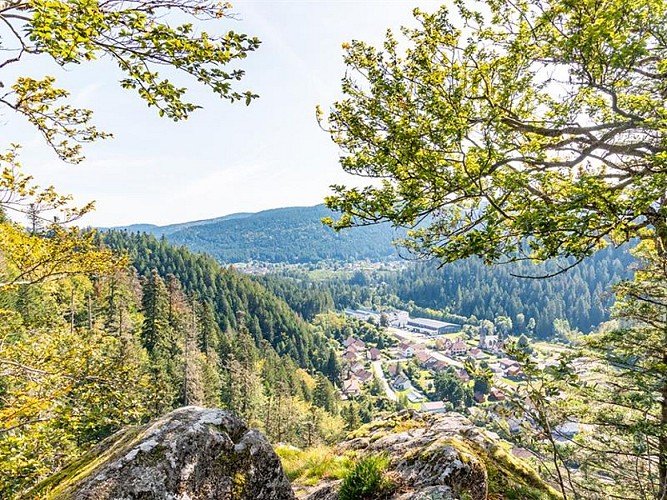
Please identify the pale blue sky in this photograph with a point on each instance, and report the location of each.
(225, 158)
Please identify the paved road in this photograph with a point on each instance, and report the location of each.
(377, 369)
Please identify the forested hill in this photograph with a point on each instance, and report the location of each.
(293, 235)
(581, 295)
(468, 290)
(226, 291)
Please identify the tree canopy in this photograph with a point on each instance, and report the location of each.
(141, 36)
(520, 130)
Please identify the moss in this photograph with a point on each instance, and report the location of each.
(238, 484)
(512, 479)
(508, 477)
(399, 422)
(60, 484)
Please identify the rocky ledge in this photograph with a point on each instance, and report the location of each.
(443, 457)
(189, 454)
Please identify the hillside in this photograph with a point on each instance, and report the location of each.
(293, 235)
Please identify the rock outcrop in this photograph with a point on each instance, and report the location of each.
(441, 456)
(189, 454)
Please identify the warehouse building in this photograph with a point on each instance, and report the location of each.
(432, 326)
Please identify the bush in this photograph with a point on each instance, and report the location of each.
(366, 480)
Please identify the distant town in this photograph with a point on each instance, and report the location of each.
(428, 346)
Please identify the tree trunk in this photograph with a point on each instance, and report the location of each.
(662, 442)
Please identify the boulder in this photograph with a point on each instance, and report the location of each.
(441, 457)
(189, 454)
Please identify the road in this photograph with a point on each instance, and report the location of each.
(377, 369)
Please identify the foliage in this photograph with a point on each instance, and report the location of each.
(140, 37)
(293, 235)
(526, 130)
(611, 390)
(226, 292)
(467, 291)
(449, 387)
(366, 480)
(310, 466)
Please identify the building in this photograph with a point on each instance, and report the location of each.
(365, 376)
(479, 397)
(432, 326)
(489, 342)
(374, 354)
(434, 407)
(401, 383)
(507, 363)
(415, 397)
(350, 356)
(357, 367)
(399, 319)
(351, 387)
(459, 348)
(476, 353)
(515, 373)
(496, 394)
(405, 350)
(422, 356)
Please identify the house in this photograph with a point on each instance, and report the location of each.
(443, 344)
(405, 350)
(401, 383)
(351, 356)
(349, 341)
(359, 344)
(496, 394)
(364, 376)
(434, 407)
(507, 363)
(430, 362)
(515, 373)
(459, 348)
(479, 397)
(392, 369)
(351, 387)
(356, 367)
(476, 353)
(374, 354)
(463, 375)
(415, 397)
(422, 356)
(439, 365)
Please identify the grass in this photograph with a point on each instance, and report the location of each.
(308, 467)
(367, 479)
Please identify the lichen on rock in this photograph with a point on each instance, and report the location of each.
(442, 457)
(189, 454)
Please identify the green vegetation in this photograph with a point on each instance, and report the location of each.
(366, 480)
(310, 466)
(293, 235)
(470, 289)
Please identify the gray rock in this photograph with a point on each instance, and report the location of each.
(189, 454)
(439, 457)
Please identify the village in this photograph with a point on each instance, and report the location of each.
(423, 348)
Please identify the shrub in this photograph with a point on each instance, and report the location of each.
(366, 480)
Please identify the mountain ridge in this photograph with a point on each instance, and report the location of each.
(292, 235)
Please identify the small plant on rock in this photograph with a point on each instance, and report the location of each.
(367, 480)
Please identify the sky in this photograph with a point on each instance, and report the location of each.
(226, 157)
